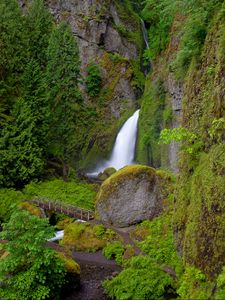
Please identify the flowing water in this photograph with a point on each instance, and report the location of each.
(145, 37)
(124, 148)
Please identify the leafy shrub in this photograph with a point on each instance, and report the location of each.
(9, 198)
(194, 285)
(220, 292)
(31, 271)
(115, 251)
(99, 231)
(93, 80)
(159, 15)
(159, 244)
(141, 280)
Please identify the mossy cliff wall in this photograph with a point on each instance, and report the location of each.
(200, 207)
(161, 106)
(109, 35)
(193, 100)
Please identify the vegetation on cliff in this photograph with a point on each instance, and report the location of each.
(59, 114)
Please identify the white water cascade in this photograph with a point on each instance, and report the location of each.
(124, 148)
(144, 33)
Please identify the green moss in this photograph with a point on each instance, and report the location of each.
(150, 123)
(115, 251)
(194, 285)
(86, 237)
(117, 179)
(71, 266)
(200, 212)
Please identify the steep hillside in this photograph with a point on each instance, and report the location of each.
(186, 87)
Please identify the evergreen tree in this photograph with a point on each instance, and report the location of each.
(13, 52)
(64, 95)
(38, 21)
(23, 140)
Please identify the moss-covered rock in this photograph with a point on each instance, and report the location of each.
(86, 237)
(71, 265)
(106, 173)
(132, 194)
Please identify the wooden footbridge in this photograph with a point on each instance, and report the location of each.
(63, 208)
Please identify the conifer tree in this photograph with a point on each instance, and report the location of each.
(64, 95)
(23, 141)
(38, 22)
(13, 51)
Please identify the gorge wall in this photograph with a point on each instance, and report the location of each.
(109, 35)
(193, 98)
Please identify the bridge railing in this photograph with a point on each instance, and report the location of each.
(67, 209)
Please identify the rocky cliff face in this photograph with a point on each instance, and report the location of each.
(95, 23)
(108, 34)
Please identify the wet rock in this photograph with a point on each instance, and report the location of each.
(106, 173)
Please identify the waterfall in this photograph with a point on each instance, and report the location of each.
(145, 33)
(124, 148)
(145, 37)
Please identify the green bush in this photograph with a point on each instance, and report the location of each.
(30, 271)
(93, 80)
(99, 231)
(115, 251)
(141, 280)
(9, 198)
(193, 285)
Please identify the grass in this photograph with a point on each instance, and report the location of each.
(76, 193)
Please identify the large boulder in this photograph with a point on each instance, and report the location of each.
(129, 196)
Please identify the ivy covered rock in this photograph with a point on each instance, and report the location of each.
(129, 196)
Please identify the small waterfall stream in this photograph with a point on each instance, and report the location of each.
(145, 33)
(145, 37)
(124, 148)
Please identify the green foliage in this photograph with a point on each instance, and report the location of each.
(99, 231)
(79, 194)
(39, 23)
(199, 210)
(194, 285)
(144, 276)
(220, 287)
(150, 123)
(179, 134)
(9, 198)
(141, 280)
(13, 54)
(159, 15)
(159, 244)
(114, 250)
(217, 130)
(64, 95)
(23, 140)
(86, 237)
(93, 80)
(30, 270)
